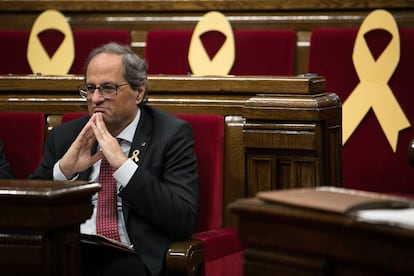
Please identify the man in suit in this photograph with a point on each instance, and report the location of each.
(5, 169)
(155, 165)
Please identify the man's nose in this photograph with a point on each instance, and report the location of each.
(97, 96)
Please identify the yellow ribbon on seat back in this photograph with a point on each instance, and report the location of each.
(222, 62)
(38, 58)
(373, 90)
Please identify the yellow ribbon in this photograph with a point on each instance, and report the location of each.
(134, 156)
(198, 58)
(38, 58)
(373, 90)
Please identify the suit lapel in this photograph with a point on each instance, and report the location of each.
(141, 139)
(139, 147)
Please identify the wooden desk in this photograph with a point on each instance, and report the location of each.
(39, 226)
(283, 240)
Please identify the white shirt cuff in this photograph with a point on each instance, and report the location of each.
(58, 175)
(124, 173)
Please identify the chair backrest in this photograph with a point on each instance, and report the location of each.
(14, 49)
(68, 116)
(87, 40)
(13, 52)
(258, 52)
(208, 133)
(369, 162)
(23, 135)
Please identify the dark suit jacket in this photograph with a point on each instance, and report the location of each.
(5, 169)
(160, 202)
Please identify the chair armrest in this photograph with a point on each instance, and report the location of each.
(185, 257)
(219, 242)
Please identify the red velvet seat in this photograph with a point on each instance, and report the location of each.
(22, 134)
(14, 47)
(258, 52)
(369, 162)
(222, 251)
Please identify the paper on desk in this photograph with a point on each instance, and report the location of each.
(397, 217)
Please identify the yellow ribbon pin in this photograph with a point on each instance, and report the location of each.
(373, 90)
(134, 156)
(37, 56)
(222, 62)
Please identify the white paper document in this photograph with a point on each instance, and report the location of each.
(397, 217)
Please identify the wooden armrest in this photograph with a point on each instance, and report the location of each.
(185, 257)
(411, 153)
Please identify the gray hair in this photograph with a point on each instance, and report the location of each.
(135, 68)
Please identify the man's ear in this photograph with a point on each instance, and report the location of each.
(141, 93)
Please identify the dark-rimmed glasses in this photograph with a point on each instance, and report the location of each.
(106, 90)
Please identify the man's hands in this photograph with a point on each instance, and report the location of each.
(109, 145)
(78, 157)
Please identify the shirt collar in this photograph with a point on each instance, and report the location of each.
(128, 133)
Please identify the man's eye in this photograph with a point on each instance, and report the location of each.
(91, 87)
(108, 87)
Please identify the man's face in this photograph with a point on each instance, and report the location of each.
(120, 110)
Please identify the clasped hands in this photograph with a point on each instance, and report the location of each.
(79, 158)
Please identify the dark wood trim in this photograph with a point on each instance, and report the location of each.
(200, 5)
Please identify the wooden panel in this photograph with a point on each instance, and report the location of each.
(261, 262)
(285, 172)
(297, 172)
(260, 173)
(307, 173)
(184, 5)
(279, 170)
(175, 94)
(280, 136)
(301, 137)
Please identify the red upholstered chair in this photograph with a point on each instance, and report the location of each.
(13, 52)
(23, 135)
(14, 47)
(258, 52)
(369, 162)
(87, 40)
(212, 249)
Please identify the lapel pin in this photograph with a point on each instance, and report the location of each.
(134, 156)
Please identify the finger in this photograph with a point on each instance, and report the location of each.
(85, 136)
(99, 127)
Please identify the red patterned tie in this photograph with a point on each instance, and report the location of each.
(106, 217)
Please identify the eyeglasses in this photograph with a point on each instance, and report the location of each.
(107, 90)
